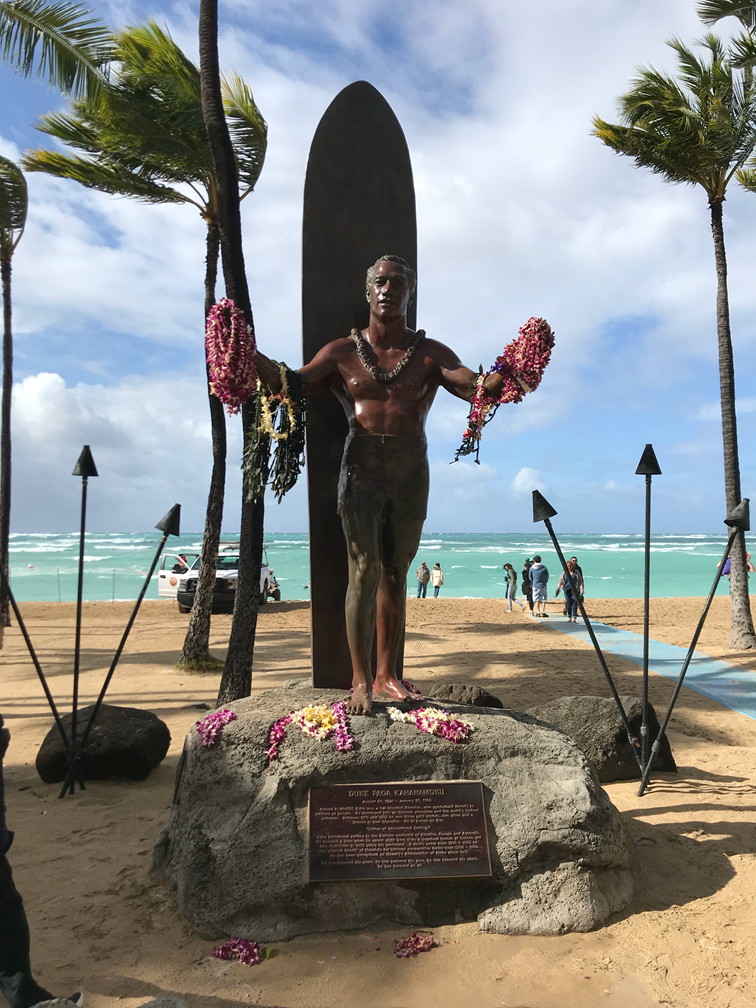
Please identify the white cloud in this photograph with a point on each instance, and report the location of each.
(528, 480)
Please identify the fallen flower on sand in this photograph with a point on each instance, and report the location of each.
(413, 945)
(241, 950)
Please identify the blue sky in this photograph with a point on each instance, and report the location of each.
(520, 212)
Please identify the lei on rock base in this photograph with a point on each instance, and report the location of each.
(211, 726)
(522, 363)
(316, 720)
(434, 721)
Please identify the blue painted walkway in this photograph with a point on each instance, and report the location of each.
(730, 686)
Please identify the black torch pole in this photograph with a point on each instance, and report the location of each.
(648, 467)
(543, 511)
(85, 468)
(739, 523)
(169, 525)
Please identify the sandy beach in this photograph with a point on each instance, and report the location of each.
(98, 923)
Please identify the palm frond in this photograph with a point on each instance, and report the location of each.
(248, 129)
(114, 179)
(60, 39)
(711, 11)
(14, 202)
(747, 178)
(743, 50)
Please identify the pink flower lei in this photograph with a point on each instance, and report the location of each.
(230, 349)
(211, 726)
(241, 950)
(413, 945)
(522, 363)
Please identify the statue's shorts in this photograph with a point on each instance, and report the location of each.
(384, 478)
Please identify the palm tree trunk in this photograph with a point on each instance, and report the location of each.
(5, 434)
(196, 649)
(742, 633)
(236, 680)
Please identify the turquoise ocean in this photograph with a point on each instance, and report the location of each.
(44, 567)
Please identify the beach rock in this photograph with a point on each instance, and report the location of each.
(235, 849)
(464, 694)
(594, 724)
(124, 743)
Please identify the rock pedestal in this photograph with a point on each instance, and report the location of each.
(235, 848)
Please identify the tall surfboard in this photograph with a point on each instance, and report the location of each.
(359, 204)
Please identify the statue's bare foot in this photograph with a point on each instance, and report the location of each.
(393, 691)
(359, 701)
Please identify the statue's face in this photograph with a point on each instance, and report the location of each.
(389, 292)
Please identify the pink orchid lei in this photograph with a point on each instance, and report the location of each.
(413, 945)
(211, 726)
(241, 950)
(522, 363)
(434, 721)
(230, 349)
(316, 720)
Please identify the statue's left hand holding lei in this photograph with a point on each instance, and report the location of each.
(522, 365)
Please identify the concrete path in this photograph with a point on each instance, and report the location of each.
(728, 685)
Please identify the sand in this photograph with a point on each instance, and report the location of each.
(98, 922)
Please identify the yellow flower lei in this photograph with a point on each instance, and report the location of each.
(269, 406)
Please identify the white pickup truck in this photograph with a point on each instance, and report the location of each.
(178, 573)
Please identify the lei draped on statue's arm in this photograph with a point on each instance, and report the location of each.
(279, 414)
(522, 365)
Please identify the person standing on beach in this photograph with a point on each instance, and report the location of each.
(437, 579)
(572, 592)
(386, 377)
(539, 579)
(511, 575)
(527, 588)
(423, 577)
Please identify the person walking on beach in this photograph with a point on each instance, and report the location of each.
(571, 597)
(437, 579)
(511, 575)
(423, 577)
(579, 569)
(539, 579)
(527, 588)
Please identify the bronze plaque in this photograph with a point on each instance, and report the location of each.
(402, 829)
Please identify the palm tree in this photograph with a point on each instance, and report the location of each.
(743, 47)
(700, 130)
(59, 40)
(237, 674)
(144, 137)
(13, 205)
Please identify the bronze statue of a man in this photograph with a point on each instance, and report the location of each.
(386, 378)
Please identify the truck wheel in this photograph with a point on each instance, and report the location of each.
(184, 608)
(264, 594)
(277, 595)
